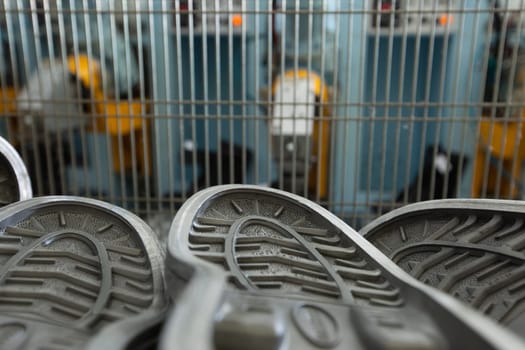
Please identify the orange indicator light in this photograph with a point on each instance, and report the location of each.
(446, 19)
(237, 20)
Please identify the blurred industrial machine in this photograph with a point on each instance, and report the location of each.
(410, 92)
(74, 96)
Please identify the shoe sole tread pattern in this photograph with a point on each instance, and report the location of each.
(471, 249)
(306, 257)
(246, 255)
(74, 266)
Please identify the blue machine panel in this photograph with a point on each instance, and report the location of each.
(371, 120)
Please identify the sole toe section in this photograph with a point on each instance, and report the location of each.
(73, 267)
(471, 249)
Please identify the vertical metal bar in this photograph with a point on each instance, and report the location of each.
(413, 104)
(143, 111)
(359, 123)
(218, 69)
(131, 117)
(294, 117)
(181, 106)
(387, 104)
(281, 114)
(230, 88)
(117, 92)
(309, 105)
(243, 89)
(464, 114)
(373, 107)
(439, 115)
(82, 131)
(26, 61)
(459, 54)
(346, 102)
(204, 24)
(322, 106)
(400, 117)
(167, 87)
(17, 80)
(4, 85)
(499, 68)
(428, 79)
(11, 42)
(507, 116)
(335, 93)
(155, 84)
(63, 51)
(516, 158)
(51, 48)
(484, 70)
(44, 132)
(269, 45)
(191, 21)
(93, 109)
(105, 87)
(256, 91)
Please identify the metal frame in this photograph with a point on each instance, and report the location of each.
(394, 91)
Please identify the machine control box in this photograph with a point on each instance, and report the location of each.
(413, 15)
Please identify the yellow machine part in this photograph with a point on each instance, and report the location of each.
(118, 118)
(504, 142)
(8, 111)
(7, 101)
(318, 174)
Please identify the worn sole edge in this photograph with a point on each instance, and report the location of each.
(509, 206)
(120, 333)
(442, 206)
(19, 168)
(206, 282)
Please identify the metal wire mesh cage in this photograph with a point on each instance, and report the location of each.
(360, 105)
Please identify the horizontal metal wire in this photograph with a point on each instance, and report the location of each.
(472, 9)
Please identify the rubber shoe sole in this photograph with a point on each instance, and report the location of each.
(471, 249)
(77, 273)
(258, 268)
(15, 184)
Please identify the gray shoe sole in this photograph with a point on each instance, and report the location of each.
(471, 249)
(15, 184)
(259, 268)
(76, 273)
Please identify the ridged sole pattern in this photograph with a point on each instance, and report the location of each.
(471, 249)
(265, 269)
(70, 267)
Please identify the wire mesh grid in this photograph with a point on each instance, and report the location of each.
(362, 106)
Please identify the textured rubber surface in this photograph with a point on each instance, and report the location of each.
(15, 184)
(471, 249)
(71, 268)
(260, 268)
